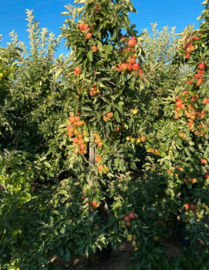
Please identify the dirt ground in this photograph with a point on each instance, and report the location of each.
(119, 260)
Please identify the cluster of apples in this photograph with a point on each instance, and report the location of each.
(206, 175)
(94, 90)
(172, 172)
(101, 168)
(80, 146)
(153, 151)
(137, 140)
(131, 216)
(189, 47)
(203, 161)
(131, 64)
(108, 116)
(97, 140)
(188, 206)
(189, 111)
(94, 204)
(84, 28)
(190, 180)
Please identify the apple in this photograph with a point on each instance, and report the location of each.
(127, 219)
(187, 56)
(131, 216)
(201, 66)
(99, 144)
(94, 49)
(140, 71)
(135, 111)
(109, 114)
(80, 136)
(143, 139)
(192, 207)
(70, 129)
(205, 100)
(86, 27)
(70, 134)
(186, 206)
(88, 36)
(130, 67)
(96, 8)
(98, 158)
(77, 70)
(124, 66)
(75, 140)
(132, 42)
(136, 66)
(128, 224)
(81, 26)
(132, 60)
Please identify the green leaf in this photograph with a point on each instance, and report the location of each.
(88, 109)
(90, 56)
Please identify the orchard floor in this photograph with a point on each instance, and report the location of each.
(119, 260)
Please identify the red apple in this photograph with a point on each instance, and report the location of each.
(186, 206)
(94, 49)
(127, 219)
(88, 36)
(77, 70)
(131, 216)
(98, 158)
(201, 66)
(136, 66)
(132, 42)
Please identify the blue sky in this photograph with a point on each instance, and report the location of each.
(165, 12)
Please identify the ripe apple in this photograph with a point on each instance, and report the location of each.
(88, 36)
(96, 8)
(140, 71)
(136, 66)
(132, 60)
(143, 139)
(98, 158)
(70, 134)
(201, 66)
(75, 140)
(70, 129)
(77, 70)
(132, 42)
(131, 216)
(124, 66)
(99, 144)
(186, 206)
(94, 49)
(128, 224)
(130, 67)
(192, 207)
(109, 114)
(187, 56)
(127, 219)
(86, 27)
(80, 136)
(135, 111)
(81, 26)
(100, 168)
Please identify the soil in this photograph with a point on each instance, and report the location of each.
(119, 260)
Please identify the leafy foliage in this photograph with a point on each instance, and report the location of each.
(108, 144)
